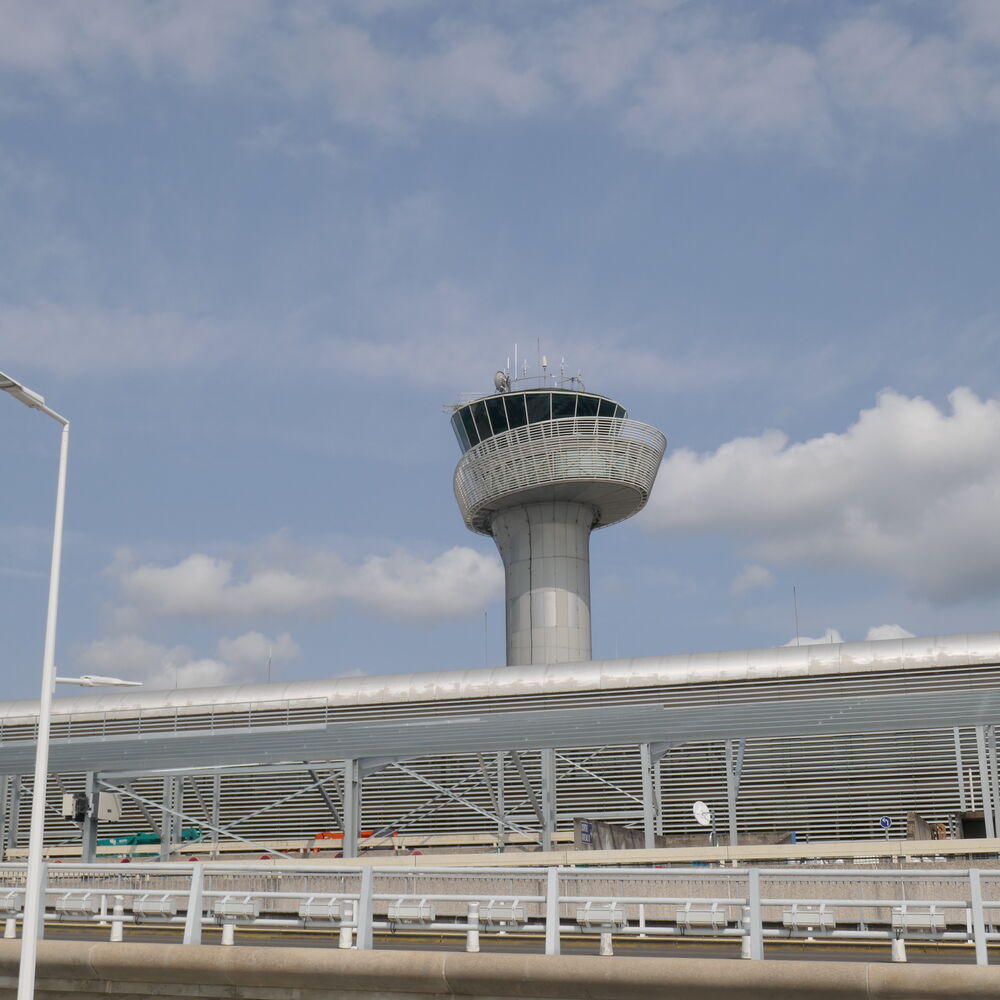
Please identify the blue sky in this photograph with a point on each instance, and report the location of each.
(250, 249)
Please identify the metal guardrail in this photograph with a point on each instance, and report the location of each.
(751, 905)
(568, 449)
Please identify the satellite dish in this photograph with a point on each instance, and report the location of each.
(702, 814)
(501, 381)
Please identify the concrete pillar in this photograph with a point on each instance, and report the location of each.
(545, 549)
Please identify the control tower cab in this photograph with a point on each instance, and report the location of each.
(542, 466)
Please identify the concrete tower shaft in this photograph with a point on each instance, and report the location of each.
(541, 469)
(546, 556)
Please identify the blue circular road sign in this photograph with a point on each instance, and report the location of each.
(885, 822)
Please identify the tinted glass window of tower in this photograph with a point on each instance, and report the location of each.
(563, 405)
(539, 407)
(498, 416)
(517, 414)
(494, 415)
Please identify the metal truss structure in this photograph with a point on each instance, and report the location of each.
(822, 740)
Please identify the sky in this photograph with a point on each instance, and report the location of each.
(252, 250)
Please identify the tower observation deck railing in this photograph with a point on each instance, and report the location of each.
(587, 451)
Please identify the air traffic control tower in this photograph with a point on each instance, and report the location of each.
(541, 468)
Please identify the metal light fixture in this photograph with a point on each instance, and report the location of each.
(97, 680)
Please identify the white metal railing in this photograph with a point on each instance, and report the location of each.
(569, 449)
(751, 906)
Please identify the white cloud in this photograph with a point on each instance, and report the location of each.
(133, 658)
(272, 582)
(834, 635)
(676, 75)
(455, 337)
(68, 42)
(830, 635)
(740, 92)
(253, 649)
(201, 585)
(83, 340)
(240, 659)
(751, 577)
(888, 632)
(909, 491)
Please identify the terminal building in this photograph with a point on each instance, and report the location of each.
(819, 741)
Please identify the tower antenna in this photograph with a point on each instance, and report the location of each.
(795, 605)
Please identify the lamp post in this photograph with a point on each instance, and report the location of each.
(33, 908)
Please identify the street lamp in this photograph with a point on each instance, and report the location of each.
(96, 680)
(33, 909)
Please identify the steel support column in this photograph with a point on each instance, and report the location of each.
(548, 799)
(216, 808)
(171, 826)
(5, 782)
(734, 773)
(88, 848)
(959, 770)
(991, 756)
(501, 805)
(650, 755)
(985, 781)
(352, 807)
(12, 813)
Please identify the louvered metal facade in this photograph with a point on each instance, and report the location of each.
(822, 787)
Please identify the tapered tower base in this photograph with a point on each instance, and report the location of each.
(546, 555)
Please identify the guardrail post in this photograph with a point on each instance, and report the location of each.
(10, 928)
(366, 916)
(229, 933)
(346, 924)
(978, 923)
(606, 948)
(192, 921)
(899, 947)
(552, 912)
(755, 929)
(117, 919)
(472, 936)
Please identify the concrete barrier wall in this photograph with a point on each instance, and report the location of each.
(90, 970)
